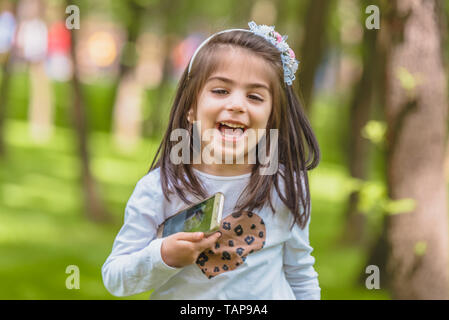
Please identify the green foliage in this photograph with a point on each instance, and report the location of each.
(329, 115)
(18, 95)
(408, 81)
(373, 198)
(375, 131)
(339, 266)
(400, 206)
(99, 99)
(420, 248)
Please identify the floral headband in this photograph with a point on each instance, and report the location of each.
(289, 63)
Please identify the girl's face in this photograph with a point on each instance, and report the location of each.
(235, 98)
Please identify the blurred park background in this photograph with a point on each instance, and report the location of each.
(82, 112)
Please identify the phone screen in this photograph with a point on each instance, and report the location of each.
(194, 219)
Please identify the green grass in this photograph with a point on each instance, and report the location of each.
(43, 228)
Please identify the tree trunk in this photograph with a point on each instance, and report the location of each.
(95, 209)
(313, 46)
(4, 88)
(361, 106)
(127, 114)
(154, 124)
(416, 113)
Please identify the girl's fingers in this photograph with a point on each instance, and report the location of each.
(209, 241)
(190, 236)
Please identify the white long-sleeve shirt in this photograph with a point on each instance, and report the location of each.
(281, 269)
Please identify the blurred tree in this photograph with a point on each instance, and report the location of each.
(4, 88)
(133, 28)
(314, 44)
(95, 208)
(167, 12)
(360, 111)
(444, 26)
(127, 106)
(416, 107)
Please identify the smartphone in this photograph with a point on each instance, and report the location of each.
(204, 216)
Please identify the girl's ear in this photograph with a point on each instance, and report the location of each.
(189, 116)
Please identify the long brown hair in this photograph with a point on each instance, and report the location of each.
(295, 133)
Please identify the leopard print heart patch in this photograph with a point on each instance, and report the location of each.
(242, 233)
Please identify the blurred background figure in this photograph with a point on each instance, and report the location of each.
(7, 30)
(58, 65)
(32, 42)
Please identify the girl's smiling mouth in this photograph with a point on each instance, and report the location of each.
(231, 130)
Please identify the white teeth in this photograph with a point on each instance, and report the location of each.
(233, 125)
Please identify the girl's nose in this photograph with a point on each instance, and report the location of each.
(237, 104)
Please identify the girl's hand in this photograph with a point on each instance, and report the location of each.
(183, 248)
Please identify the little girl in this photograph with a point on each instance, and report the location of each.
(238, 81)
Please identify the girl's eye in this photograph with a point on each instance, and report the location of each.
(219, 91)
(223, 92)
(255, 97)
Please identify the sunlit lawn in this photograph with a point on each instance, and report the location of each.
(43, 228)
